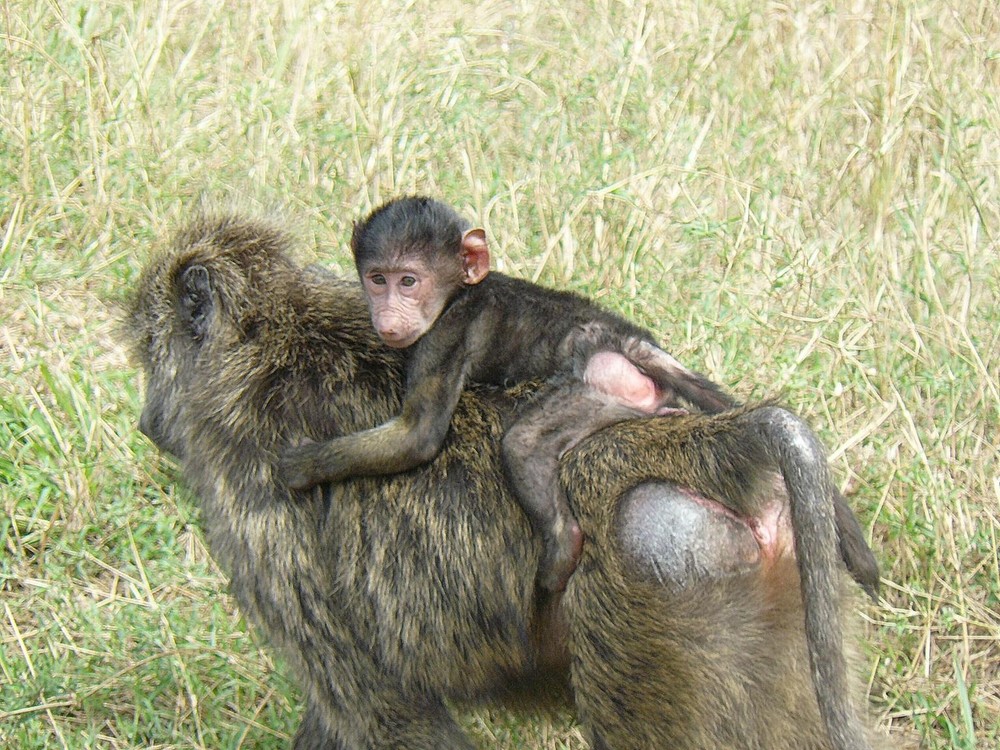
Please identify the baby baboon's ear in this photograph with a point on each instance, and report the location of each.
(475, 256)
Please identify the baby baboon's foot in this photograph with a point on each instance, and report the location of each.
(560, 557)
(671, 411)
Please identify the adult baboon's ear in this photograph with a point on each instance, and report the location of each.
(195, 300)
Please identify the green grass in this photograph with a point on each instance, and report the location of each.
(802, 199)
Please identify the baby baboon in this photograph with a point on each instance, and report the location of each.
(397, 597)
(425, 271)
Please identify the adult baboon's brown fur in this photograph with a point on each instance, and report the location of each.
(393, 597)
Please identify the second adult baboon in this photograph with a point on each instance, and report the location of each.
(426, 275)
(397, 597)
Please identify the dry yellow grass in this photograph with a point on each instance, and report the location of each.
(803, 199)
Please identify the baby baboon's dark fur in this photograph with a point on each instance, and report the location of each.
(397, 596)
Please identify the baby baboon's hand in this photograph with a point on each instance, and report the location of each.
(297, 465)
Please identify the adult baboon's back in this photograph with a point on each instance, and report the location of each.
(391, 596)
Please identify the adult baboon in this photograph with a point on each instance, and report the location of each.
(396, 596)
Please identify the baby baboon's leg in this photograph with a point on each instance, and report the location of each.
(532, 448)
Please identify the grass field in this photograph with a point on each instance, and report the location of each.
(802, 199)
